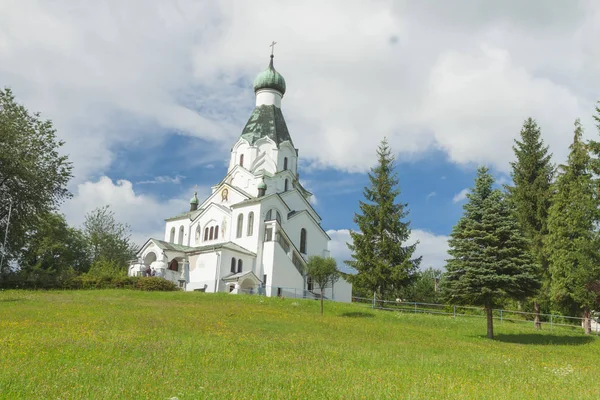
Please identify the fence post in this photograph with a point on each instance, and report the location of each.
(454, 311)
(295, 296)
(500, 316)
(550, 321)
(415, 307)
(373, 300)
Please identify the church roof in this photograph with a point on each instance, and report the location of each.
(188, 214)
(270, 79)
(188, 249)
(236, 277)
(266, 121)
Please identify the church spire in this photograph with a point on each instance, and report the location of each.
(194, 201)
(270, 79)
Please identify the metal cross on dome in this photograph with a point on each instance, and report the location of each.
(272, 46)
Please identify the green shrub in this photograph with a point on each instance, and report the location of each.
(87, 281)
(155, 284)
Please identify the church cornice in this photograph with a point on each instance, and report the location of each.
(260, 200)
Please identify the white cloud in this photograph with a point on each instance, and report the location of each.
(145, 214)
(430, 195)
(432, 247)
(163, 179)
(460, 196)
(458, 76)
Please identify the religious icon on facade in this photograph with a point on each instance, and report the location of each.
(224, 194)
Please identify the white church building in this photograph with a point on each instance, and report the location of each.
(256, 230)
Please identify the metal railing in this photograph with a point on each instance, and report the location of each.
(477, 312)
(284, 292)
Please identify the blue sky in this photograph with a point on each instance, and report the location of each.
(150, 95)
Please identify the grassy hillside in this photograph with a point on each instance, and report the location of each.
(137, 345)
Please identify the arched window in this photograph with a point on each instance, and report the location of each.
(241, 160)
(212, 233)
(174, 265)
(285, 163)
(250, 223)
(206, 234)
(233, 265)
(240, 224)
(216, 232)
(180, 235)
(278, 217)
(239, 266)
(273, 213)
(303, 241)
(172, 237)
(285, 185)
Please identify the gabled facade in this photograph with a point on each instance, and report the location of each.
(256, 230)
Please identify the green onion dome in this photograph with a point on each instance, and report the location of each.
(270, 79)
(194, 200)
(262, 185)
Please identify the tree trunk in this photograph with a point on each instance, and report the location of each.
(536, 309)
(490, 321)
(321, 301)
(587, 322)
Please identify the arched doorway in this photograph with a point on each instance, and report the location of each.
(149, 258)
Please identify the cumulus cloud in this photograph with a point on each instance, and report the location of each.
(460, 196)
(144, 213)
(457, 76)
(162, 179)
(433, 248)
(430, 195)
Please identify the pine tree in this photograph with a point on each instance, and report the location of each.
(490, 259)
(532, 174)
(573, 240)
(383, 264)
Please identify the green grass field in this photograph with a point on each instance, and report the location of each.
(114, 344)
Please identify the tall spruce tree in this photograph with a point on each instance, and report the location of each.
(490, 259)
(383, 263)
(532, 174)
(573, 241)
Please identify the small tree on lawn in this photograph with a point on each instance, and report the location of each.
(490, 259)
(323, 272)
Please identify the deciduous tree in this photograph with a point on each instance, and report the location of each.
(323, 272)
(33, 174)
(109, 240)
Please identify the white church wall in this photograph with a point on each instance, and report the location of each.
(183, 223)
(283, 273)
(203, 271)
(286, 150)
(316, 240)
(213, 218)
(341, 291)
(247, 241)
(268, 97)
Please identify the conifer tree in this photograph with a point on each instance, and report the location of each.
(573, 240)
(532, 174)
(490, 259)
(383, 263)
